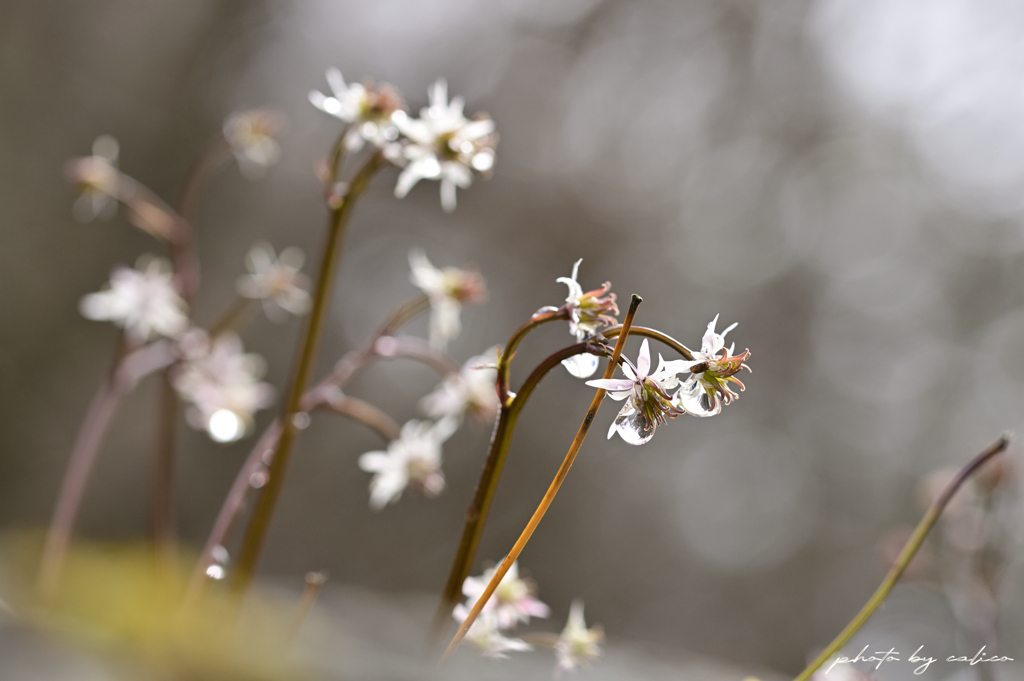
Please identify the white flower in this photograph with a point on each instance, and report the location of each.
(486, 635)
(447, 290)
(512, 602)
(649, 402)
(97, 179)
(276, 280)
(577, 645)
(142, 301)
(444, 145)
(413, 458)
(367, 109)
(252, 136)
(589, 313)
(707, 388)
(472, 389)
(222, 383)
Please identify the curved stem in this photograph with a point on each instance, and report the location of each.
(479, 508)
(367, 414)
(549, 496)
(653, 334)
(906, 555)
(509, 350)
(260, 521)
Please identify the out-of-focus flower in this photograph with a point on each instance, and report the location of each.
(707, 387)
(577, 645)
(649, 403)
(512, 602)
(472, 389)
(589, 313)
(252, 136)
(222, 383)
(448, 290)
(486, 635)
(413, 458)
(444, 145)
(97, 178)
(366, 109)
(142, 301)
(276, 280)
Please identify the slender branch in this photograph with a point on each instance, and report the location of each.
(906, 555)
(260, 521)
(162, 490)
(549, 496)
(233, 318)
(479, 508)
(367, 414)
(509, 351)
(654, 335)
(128, 369)
(263, 452)
(314, 582)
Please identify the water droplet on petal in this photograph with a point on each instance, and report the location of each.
(225, 426)
(220, 554)
(215, 572)
(258, 479)
(301, 420)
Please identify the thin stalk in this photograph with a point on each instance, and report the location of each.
(233, 318)
(549, 496)
(263, 452)
(906, 555)
(260, 521)
(509, 351)
(480, 507)
(162, 491)
(367, 414)
(314, 582)
(654, 335)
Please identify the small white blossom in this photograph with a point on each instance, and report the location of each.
(486, 635)
(97, 178)
(471, 389)
(649, 402)
(276, 280)
(577, 645)
(142, 301)
(444, 145)
(707, 388)
(447, 290)
(512, 602)
(366, 109)
(222, 383)
(589, 313)
(413, 458)
(252, 136)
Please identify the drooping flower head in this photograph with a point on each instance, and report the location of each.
(577, 645)
(486, 635)
(97, 178)
(448, 290)
(142, 301)
(223, 384)
(649, 401)
(707, 388)
(277, 280)
(442, 144)
(472, 389)
(252, 136)
(414, 458)
(366, 108)
(512, 602)
(589, 314)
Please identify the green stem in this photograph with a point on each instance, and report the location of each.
(509, 350)
(553, 488)
(906, 555)
(260, 521)
(653, 335)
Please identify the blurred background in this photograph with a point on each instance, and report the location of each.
(844, 178)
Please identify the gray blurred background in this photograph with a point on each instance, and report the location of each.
(844, 178)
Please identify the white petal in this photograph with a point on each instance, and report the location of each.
(448, 195)
(582, 365)
(643, 360)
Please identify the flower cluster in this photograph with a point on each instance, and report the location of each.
(367, 110)
(142, 301)
(514, 602)
(448, 290)
(472, 389)
(589, 313)
(655, 397)
(222, 383)
(414, 458)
